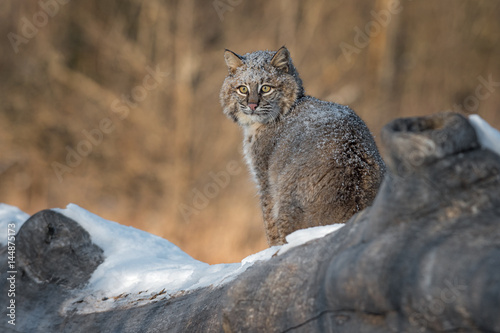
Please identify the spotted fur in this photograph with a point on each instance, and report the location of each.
(314, 162)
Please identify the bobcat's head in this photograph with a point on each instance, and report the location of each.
(261, 86)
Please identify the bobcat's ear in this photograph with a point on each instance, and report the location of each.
(233, 61)
(281, 59)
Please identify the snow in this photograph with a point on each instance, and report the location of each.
(138, 263)
(10, 215)
(137, 260)
(303, 236)
(140, 267)
(134, 258)
(488, 137)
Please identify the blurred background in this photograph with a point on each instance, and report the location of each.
(114, 105)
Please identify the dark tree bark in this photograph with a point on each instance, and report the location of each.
(424, 258)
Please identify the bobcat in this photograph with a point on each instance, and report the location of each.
(314, 162)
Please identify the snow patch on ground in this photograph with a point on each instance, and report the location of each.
(488, 137)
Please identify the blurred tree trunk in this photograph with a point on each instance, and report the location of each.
(382, 51)
(288, 23)
(183, 99)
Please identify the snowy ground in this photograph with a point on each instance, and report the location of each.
(140, 267)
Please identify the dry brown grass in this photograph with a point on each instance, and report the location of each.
(65, 79)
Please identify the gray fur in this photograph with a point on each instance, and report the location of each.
(314, 162)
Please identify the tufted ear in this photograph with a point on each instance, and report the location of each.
(281, 59)
(233, 61)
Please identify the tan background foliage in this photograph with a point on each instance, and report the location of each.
(150, 167)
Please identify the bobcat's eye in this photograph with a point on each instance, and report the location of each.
(265, 89)
(243, 89)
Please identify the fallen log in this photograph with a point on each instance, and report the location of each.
(424, 258)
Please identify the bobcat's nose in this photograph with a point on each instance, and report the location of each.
(252, 106)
